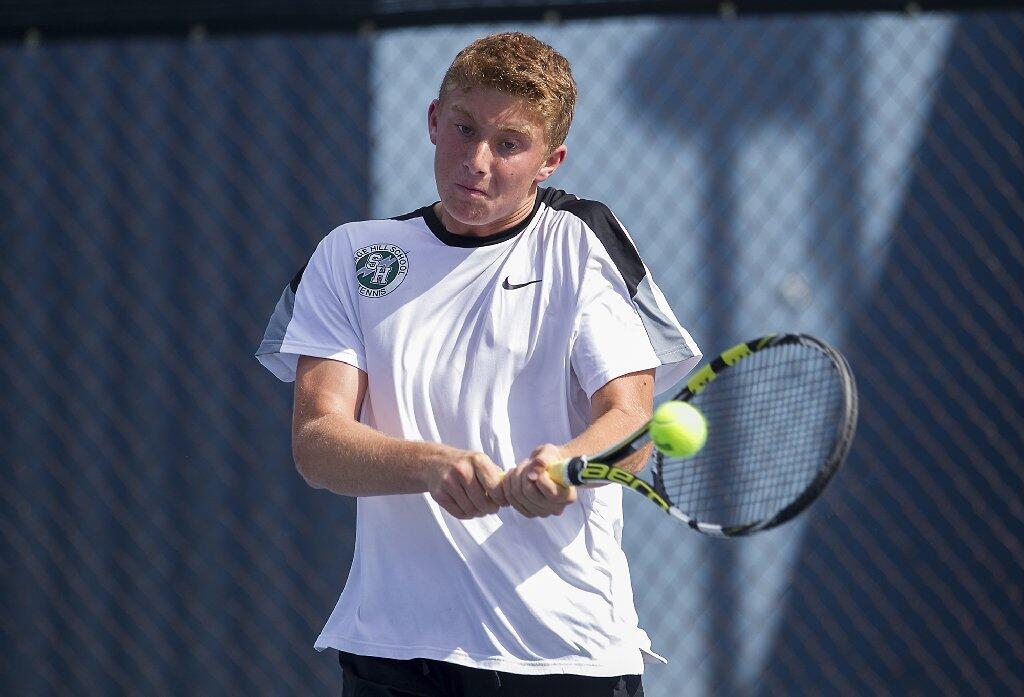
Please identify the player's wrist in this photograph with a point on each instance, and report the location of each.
(439, 460)
(432, 461)
(549, 453)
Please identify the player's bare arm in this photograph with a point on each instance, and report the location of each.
(617, 409)
(334, 451)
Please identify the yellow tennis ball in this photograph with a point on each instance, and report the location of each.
(678, 429)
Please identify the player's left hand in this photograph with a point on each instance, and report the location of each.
(530, 489)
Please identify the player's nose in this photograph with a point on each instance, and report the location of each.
(478, 155)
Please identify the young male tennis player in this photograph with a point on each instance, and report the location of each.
(441, 359)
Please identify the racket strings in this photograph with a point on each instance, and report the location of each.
(735, 482)
(771, 425)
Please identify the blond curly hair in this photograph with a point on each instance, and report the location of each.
(523, 66)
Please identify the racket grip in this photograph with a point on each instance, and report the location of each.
(566, 473)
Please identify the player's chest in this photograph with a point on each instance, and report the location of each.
(498, 310)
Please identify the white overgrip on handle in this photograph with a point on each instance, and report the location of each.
(559, 472)
(567, 472)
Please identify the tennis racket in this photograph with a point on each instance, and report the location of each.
(781, 413)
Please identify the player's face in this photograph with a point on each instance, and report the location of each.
(490, 154)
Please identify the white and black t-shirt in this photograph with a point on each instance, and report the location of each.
(492, 344)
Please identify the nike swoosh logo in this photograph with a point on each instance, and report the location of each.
(512, 286)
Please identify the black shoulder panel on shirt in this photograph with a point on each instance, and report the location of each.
(298, 277)
(599, 218)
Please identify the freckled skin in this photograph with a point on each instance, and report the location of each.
(490, 155)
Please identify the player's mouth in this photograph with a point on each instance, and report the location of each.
(472, 191)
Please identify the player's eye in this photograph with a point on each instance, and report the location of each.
(463, 129)
(510, 145)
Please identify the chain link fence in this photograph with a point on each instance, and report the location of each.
(856, 177)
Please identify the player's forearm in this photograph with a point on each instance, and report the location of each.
(608, 429)
(346, 457)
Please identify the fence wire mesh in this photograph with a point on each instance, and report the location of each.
(855, 177)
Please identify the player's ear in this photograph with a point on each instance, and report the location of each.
(432, 121)
(551, 163)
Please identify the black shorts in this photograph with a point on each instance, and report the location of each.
(367, 676)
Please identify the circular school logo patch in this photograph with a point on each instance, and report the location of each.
(380, 268)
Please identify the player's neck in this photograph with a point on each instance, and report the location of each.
(505, 223)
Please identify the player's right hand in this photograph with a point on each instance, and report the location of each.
(461, 482)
